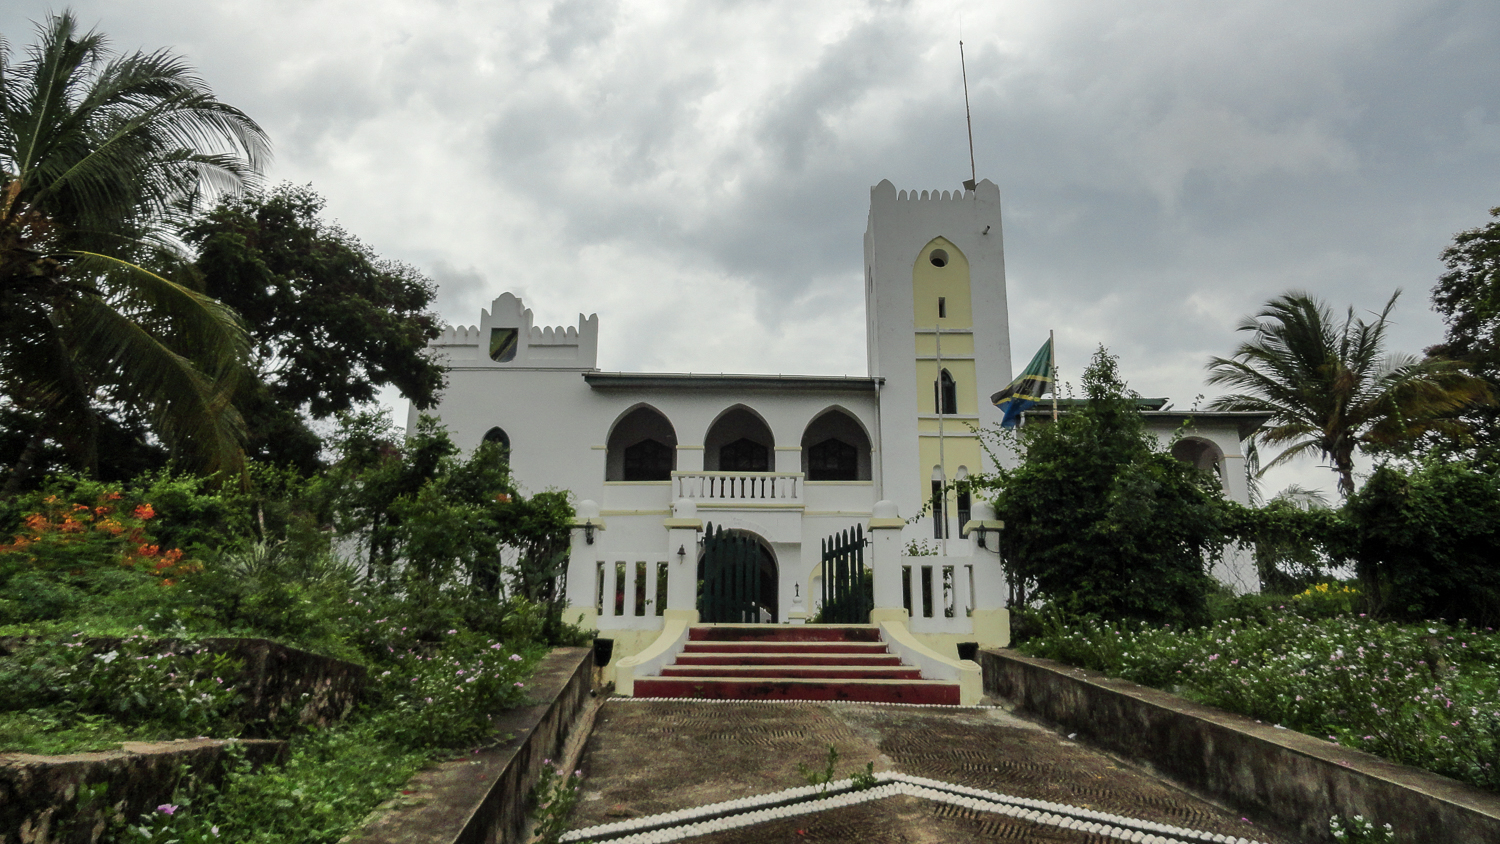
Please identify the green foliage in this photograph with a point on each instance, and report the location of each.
(146, 690)
(552, 801)
(99, 153)
(859, 780)
(1359, 830)
(332, 323)
(1467, 296)
(1105, 522)
(1426, 542)
(1331, 387)
(1418, 695)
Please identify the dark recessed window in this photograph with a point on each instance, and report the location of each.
(942, 307)
(964, 509)
(744, 455)
(939, 521)
(648, 460)
(833, 460)
(945, 394)
(497, 435)
(939, 258)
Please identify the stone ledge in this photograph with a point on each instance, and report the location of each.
(1295, 779)
(481, 796)
(39, 794)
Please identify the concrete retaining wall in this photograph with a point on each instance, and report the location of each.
(480, 798)
(1294, 779)
(40, 795)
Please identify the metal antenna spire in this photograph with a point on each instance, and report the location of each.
(973, 180)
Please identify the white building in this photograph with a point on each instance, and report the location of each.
(788, 461)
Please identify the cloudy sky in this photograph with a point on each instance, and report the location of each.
(697, 173)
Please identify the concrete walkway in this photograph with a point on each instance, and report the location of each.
(651, 757)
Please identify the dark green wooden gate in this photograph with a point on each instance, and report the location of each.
(731, 578)
(848, 593)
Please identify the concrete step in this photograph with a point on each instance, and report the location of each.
(787, 659)
(784, 633)
(785, 647)
(805, 672)
(926, 692)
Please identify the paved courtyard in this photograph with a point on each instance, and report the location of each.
(646, 758)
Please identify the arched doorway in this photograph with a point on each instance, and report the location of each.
(1201, 454)
(738, 578)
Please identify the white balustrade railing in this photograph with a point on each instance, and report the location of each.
(630, 591)
(784, 488)
(938, 593)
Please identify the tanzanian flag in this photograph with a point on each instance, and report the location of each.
(1023, 393)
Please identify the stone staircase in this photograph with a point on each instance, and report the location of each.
(793, 662)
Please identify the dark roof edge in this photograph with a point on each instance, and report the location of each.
(699, 381)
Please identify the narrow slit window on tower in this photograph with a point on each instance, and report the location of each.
(942, 307)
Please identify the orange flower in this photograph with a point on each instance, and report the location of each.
(144, 512)
(147, 550)
(111, 496)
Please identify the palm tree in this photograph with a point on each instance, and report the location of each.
(101, 157)
(1331, 387)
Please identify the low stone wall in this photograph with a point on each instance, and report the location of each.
(40, 795)
(284, 685)
(1292, 779)
(481, 796)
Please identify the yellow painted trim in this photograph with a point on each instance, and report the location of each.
(886, 524)
(859, 514)
(599, 525)
(635, 512)
(695, 524)
(987, 524)
(970, 677)
(743, 505)
(599, 447)
(691, 447)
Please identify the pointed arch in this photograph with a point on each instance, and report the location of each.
(945, 394)
(498, 435)
(642, 446)
(739, 440)
(836, 447)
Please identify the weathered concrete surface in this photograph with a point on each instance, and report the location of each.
(481, 797)
(649, 757)
(1297, 780)
(39, 794)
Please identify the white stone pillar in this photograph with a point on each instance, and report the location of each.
(885, 562)
(990, 618)
(583, 559)
(788, 458)
(682, 556)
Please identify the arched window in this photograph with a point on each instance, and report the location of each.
(835, 448)
(642, 447)
(1199, 453)
(498, 435)
(738, 441)
(945, 394)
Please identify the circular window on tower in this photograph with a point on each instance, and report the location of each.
(938, 257)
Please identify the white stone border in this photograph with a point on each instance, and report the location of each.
(805, 800)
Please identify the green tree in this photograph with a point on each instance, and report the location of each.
(1103, 521)
(1331, 387)
(100, 155)
(1426, 542)
(331, 322)
(1467, 296)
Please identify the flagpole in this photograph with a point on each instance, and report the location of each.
(937, 339)
(1052, 368)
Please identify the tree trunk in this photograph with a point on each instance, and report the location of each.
(27, 460)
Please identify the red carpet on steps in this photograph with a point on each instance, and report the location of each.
(793, 662)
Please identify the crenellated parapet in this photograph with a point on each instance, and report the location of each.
(506, 337)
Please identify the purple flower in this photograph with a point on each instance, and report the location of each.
(167, 809)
